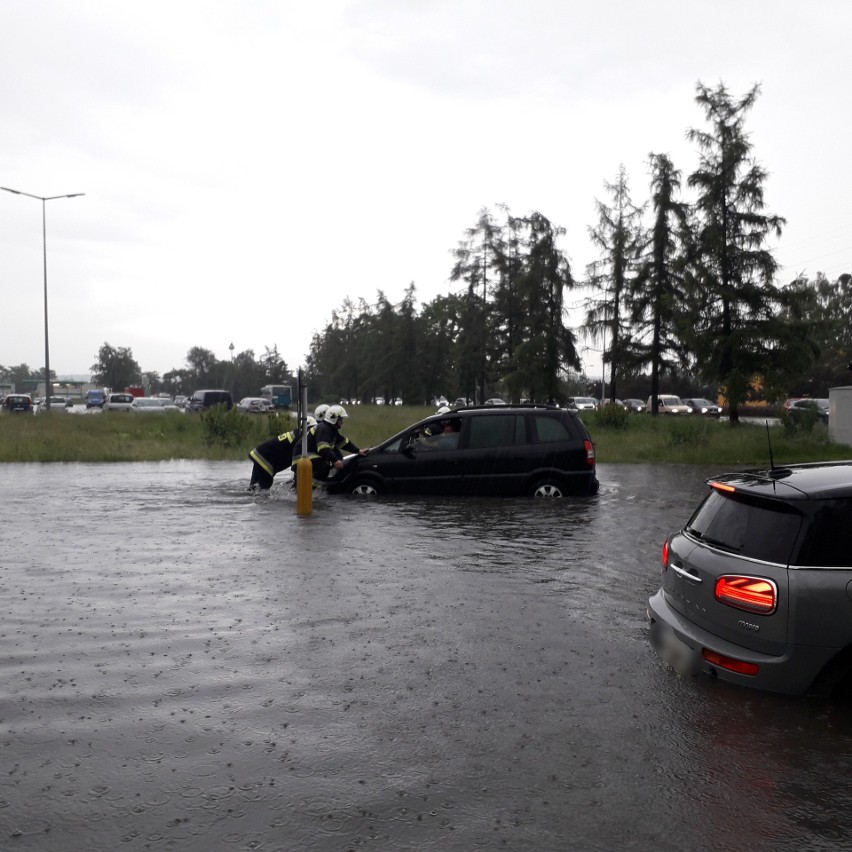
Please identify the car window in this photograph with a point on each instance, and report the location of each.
(828, 542)
(392, 447)
(765, 530)
(495, 431)
(551, 429)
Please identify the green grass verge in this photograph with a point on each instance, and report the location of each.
(122, 437)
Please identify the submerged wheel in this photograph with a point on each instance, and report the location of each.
(548, 488)
(365, 487)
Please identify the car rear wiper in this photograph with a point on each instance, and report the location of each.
(715, 542)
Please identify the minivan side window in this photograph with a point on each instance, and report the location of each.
(551, 429)
(495, 431)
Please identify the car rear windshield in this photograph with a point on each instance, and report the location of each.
(758, 529)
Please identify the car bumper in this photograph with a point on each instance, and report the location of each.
(681, 644)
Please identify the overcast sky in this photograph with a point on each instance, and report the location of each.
(248, 165)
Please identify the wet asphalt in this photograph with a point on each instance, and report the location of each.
(187, 666)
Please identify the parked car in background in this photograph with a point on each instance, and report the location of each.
(181, 401)
(536, 450)
(669, 404)
(582, 403)
(459, 402)
(495, 400)
(617, 403)
(255, 405)
(17, 403)
(95, 398)
(119, 402)
(703, 406)
(153, 405)
(808, 404)
(58, 404)
(202, 400)
(634, 405)
(755, 587)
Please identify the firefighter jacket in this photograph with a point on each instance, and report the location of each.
(276, 454)
(330, 443)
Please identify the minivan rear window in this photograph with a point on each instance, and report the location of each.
(758, 529)
(551, 429)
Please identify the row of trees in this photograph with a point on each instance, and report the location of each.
(680, 290)
(683, 297)
(115, 367)
(244, 374)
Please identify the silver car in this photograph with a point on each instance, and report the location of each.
(757, 587)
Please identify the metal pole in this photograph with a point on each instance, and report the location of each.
(48, 388)
(43, 199)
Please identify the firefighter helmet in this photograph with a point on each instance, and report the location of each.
(319, 411)
(335, 414)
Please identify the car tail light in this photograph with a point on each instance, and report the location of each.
(729, 663)
(590, 453)
(722, 486)
(753, 594)
(665, 554)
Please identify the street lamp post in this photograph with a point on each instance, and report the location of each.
(231, 348)
(43, 199)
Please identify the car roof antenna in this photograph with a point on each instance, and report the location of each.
(769, 441)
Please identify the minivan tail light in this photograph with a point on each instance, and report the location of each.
(752, 594)
(665, 554)
(590, 453)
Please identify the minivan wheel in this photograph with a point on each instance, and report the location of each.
(365, 487)
(548, 488)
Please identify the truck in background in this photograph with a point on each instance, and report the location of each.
(281, 396)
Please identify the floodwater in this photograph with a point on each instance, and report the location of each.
(185, 666)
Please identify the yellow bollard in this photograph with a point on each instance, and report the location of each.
(304, 487)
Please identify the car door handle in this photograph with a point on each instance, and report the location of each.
(686, 575)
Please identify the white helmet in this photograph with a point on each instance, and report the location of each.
(334, 414)
(319, 411)
(444, 409)
(310, 421)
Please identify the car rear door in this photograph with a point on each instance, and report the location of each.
(727, 572)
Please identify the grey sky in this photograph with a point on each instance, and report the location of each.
(248, 165)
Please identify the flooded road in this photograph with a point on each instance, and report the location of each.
(185, 666)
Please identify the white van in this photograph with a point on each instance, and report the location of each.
(669, 404)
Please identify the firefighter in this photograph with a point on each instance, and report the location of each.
(273, 456)
(326, 444)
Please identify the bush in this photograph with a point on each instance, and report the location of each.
(799, 421)
(223, 427)
(613, 417)
(280, 422)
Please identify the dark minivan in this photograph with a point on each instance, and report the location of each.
(536, 450)
(201, 400)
